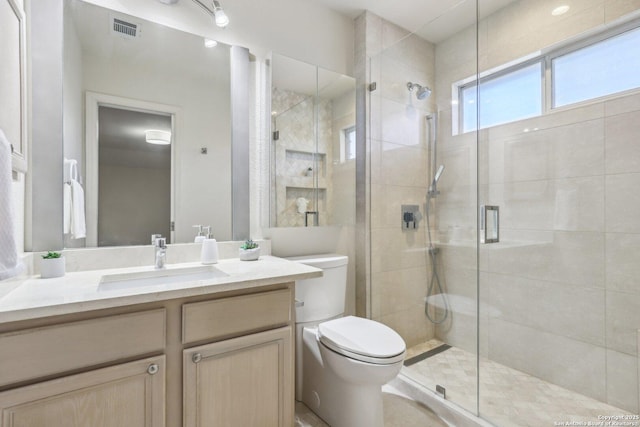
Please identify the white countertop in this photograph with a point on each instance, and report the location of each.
(33, 297)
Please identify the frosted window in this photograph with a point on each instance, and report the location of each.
(350, 143)
(506, 98)
(597, 70)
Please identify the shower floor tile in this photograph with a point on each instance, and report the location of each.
(508, 398)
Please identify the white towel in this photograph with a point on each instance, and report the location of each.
(10, 265)
(66, 207)
(78, 225)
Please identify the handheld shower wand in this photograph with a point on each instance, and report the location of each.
(433, 191)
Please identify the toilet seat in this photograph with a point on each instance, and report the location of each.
(363, 340)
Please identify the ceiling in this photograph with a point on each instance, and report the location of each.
(156, 45)
(433, 20)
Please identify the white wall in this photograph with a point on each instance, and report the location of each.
(203, 182)
(300, 29)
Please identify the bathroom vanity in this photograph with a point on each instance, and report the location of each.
(213, 352)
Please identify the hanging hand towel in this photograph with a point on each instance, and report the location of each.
(66, 207)
(9, 263)
(78, 224)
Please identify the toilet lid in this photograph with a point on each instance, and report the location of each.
(362, 339)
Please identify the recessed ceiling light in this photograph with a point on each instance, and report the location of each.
(210, 43)
(560, 10)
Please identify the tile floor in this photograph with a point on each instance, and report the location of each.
(398, 412)
(508, 398)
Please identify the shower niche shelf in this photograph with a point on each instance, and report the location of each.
(298, 161)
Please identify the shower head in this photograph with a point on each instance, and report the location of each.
(433, 192)
(422, 91)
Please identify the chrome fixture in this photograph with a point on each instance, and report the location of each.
(160, 245)
(306, 218)
(220, 18)
(435, 289)
(422, 91)
(433, 191)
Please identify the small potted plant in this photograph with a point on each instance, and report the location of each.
(249, 251)
(52, 265)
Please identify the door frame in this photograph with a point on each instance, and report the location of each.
(93, 101)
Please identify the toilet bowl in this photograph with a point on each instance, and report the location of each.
(341, 362)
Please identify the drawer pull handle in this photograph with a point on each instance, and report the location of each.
(196, 358)
(153, 369)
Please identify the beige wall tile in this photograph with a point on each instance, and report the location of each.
(571, 257)
(402, 124)
(622, 104)
(395, 249)
(622, 147)
(403, 165)
(559, 360)
(622, 209)
(570, 311)
(623, 321)
(623, 268)
(622, 374)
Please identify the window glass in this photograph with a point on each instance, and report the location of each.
(597, 70)
(506, 98)
(349, 143)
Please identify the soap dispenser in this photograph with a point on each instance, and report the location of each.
(200, 237)
(209, 254)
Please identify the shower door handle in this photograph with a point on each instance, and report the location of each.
(489, 224)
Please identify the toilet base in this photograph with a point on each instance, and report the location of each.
(339, 403)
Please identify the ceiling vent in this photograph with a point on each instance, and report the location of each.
(125, 28)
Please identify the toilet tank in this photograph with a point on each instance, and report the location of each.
(323, 297)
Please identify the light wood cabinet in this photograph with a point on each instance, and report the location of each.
(221, 360)
(244, 381)
(129, 394)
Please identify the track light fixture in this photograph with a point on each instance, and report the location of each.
(217, 13)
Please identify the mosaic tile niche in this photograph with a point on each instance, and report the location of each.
(301, 169)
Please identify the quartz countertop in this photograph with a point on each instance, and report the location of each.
(32, 297)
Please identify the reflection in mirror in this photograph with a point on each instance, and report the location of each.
(134, 176)
(136, 66)
(313, 145)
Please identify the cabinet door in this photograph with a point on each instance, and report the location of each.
(245, 381)
(131, 394)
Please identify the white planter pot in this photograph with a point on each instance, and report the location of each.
(52, 267)
(249, 254)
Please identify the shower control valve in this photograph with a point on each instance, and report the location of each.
(410, 217)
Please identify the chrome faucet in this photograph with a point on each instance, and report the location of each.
(160, 244)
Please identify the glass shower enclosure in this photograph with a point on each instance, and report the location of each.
(504, 241)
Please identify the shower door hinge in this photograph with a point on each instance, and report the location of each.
(276, 135)
(372, 86)
(172, 226)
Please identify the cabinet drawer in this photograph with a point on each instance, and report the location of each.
(226, 317)
(35, 353)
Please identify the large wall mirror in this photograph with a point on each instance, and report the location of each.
(312, 145)
(147, 130)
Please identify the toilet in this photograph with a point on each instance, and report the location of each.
(341, 362)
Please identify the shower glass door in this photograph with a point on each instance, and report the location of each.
(423, 198)
(534, 115)
(558, 105)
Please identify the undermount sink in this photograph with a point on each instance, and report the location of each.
(159, 277)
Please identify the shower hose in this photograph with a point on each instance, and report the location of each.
(434, 281)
